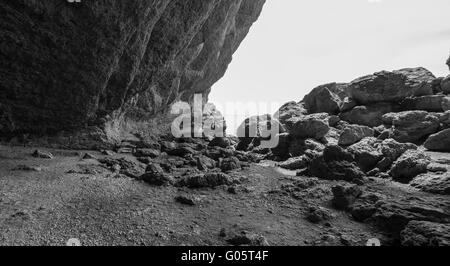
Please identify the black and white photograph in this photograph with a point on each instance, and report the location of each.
(236, 124)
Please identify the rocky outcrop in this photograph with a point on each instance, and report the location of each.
(426, 234)
(67, 66)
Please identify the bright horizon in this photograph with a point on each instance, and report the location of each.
(297, 45)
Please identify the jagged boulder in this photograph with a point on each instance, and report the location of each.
(354, 133)
(392, 86)
(412, 126)
(314, 126)
(411, 164)
(370, 115)
(323, 100)
(439, 141)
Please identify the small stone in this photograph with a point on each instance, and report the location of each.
(42, 155)
(89, 156)
(186, 200)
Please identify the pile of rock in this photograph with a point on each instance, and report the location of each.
(191, 162)
(376, 125)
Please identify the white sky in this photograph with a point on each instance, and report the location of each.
(297, 44)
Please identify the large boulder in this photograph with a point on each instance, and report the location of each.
(392, 86)
(412, 126)
(354, 133)
(439, 141)
(426, 234)
(323, 100)
(411, 164)
(67, 65)
(314, 126)
(370, 115)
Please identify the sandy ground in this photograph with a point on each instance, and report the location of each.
(50, 206)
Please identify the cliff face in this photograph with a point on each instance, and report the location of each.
(66, 66)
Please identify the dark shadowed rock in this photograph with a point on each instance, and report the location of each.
(230, 164)
(426, 234)
(411, 164)
(300, 147)
(391, 86)
(439, 141)
(335, 164)
(318, 214)
(295, 163)
(391, 151)
(282, 150)
(323, 100)
(208, 180)
(155, 175)
(220, 142)
(256, 129)
(42, 154)
(345, 196)
(245, 238)
(370, 115)
(152, 153)
(354, 133)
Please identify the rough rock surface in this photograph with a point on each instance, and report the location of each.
(392, 86)
(96, 63)
(412, 126)
(420, 234)
(409, 165)
(323, 100)
(311, 126)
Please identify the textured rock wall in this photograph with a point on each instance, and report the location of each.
(69, 66)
